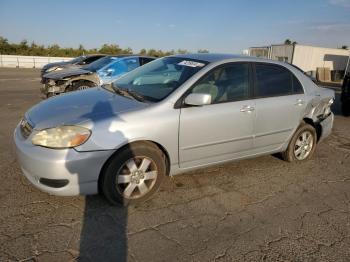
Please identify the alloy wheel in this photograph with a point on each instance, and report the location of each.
(303, 145)
(83, 87)
(136, 177)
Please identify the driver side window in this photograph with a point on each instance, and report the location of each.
(226, 83)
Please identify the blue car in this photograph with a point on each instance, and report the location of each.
(102, 71)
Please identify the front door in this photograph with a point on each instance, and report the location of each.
(222, 130)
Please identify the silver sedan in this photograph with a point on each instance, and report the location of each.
(172, 115)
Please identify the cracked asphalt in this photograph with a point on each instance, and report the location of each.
(261, 209)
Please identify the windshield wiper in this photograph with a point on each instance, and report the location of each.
(135, 95)
(128, 93)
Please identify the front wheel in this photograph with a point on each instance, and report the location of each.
(134, 174)
(302, 145)
(81, 85)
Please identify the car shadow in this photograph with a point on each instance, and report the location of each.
(103, 235)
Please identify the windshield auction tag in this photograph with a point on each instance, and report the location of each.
(191, 63)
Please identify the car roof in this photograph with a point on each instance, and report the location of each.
(90, 55)
(212, 58)
(208, 57)
(132, 55)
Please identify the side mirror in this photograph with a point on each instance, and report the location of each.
(198, 99)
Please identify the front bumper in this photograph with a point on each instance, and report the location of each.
(51, 86)
(80, 169)
(327, 125)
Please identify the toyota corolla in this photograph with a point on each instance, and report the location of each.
(172, 115)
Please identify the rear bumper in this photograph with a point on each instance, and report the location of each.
(327, 125)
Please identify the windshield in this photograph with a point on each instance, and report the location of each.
(99, 63)
(156, 80)
(77, 59)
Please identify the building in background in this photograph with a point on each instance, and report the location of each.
(263, 51)
(315, 61)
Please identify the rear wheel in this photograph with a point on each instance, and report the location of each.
(302, 145)
(134, 174)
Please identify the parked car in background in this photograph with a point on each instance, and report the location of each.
(175, 114)
(97, 73)
(75, 62)
(345, 95)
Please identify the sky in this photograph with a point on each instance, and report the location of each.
(222, 26)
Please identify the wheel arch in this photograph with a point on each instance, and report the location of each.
(81, 78)
(145, 142)
(315, 125)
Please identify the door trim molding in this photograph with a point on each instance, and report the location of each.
(218, 142)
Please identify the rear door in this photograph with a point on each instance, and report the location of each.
(279, 105)
(222, 130)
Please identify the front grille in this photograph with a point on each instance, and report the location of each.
(26, 128)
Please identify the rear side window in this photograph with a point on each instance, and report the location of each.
(297, 87)
(92, 59)
(145, 60)
(274, 80)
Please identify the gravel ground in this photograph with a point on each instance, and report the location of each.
(251, 210)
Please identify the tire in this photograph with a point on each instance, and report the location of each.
(298, 144)
(133, 175)
(81, 85)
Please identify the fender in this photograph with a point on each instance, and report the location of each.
(93, 78)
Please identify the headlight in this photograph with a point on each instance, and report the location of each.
(55, 68)
(61, 137)
(51, 69)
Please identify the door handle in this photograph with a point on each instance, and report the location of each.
(247, 109)
(299, 102)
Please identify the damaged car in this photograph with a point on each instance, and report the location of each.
(101, 71)
(75, 62)
(170, 116)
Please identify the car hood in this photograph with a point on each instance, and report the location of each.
(69, 72)
(89, 105)
(47, 66)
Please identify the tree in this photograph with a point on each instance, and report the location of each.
(287, 42)
(5, 47)
(182, 51)
(143, 51)
(345, 47)
(203, 51)
(23, 48)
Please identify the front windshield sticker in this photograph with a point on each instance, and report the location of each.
(191, 63)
